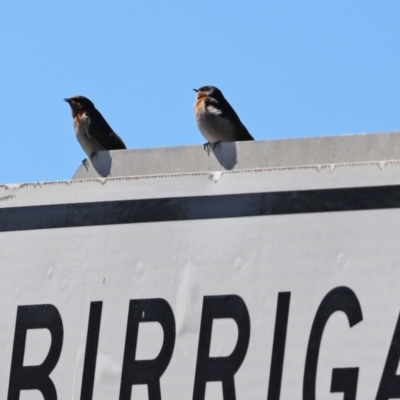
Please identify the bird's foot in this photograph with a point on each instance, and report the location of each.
(85, 163)
(208, 147)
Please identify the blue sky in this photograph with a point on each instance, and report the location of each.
(289, 68)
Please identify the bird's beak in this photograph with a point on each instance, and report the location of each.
(67, 100)
(196, 90)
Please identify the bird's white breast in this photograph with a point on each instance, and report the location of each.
(88, 143)
(213, 126)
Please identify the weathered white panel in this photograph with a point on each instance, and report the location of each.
(181, 261)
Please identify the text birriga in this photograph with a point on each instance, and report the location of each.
(208, 369)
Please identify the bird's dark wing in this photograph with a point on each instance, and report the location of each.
(102, 132)
(226, 110)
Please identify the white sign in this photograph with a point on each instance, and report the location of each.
(262, 284)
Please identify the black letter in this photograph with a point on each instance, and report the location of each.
(344, 380)
(338, 299)
(211, 369)
(137, 372)
(278, 348)
(389, 388)
(36, 376)
(92, 342)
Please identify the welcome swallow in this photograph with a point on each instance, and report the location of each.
(216, 119)
(91, 129)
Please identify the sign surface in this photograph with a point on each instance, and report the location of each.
(259, 284)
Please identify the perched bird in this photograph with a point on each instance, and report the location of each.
(216, 119)
(91, 129)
